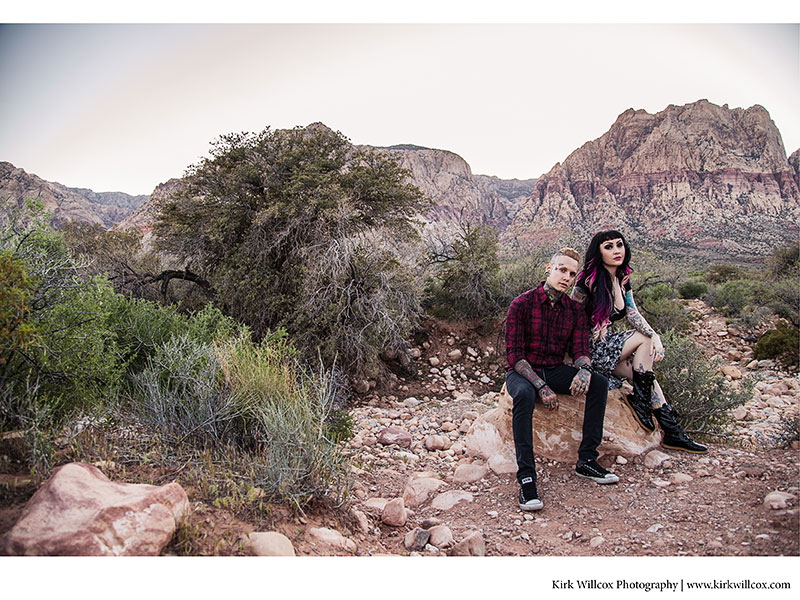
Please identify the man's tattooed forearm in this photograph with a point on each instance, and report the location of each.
(583, 362)
(523, 367)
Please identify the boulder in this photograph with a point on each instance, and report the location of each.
(557, 434)
(78, 511)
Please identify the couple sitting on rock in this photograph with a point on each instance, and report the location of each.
(544, 324)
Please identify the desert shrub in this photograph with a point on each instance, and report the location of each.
(692, 288)
(720, 273)
(141, 326)
(658, 304)
(73, 366)
(16, 330)
(701, 397)
(785, 260)
(256, 217)
(733, 297)
(360, 298)
(253, 397)
(74, 363)
(782, 343)
(519, 274)
(465, 284)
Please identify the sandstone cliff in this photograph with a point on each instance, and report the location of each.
(456, 193)
(698, 176)
(79, 204)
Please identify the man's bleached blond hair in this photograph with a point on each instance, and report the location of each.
(567, 251)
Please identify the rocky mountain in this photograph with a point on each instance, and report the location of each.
(79, 204)
(447, 180)
(698, 177)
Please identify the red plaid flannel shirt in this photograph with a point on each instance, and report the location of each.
(542, 334)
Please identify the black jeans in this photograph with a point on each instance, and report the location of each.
(558, 379)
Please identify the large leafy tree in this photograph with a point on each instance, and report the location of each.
(258, 219)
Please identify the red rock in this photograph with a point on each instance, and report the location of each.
(393, 435)
(80, 512)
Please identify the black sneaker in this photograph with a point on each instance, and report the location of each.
(528, 495)
(589, 469)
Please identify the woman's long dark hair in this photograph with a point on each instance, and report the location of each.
(595, 277)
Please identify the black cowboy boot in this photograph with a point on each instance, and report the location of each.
(674, 437)
(640, 401)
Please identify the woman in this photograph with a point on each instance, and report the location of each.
(604, 289)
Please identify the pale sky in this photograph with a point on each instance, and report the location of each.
(123, 107)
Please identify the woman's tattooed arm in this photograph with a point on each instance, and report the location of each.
(635, 318)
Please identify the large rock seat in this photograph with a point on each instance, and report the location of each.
(557, 434)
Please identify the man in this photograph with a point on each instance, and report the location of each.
(543, 325)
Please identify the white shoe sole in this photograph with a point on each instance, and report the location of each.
(604, 481)
(532, 505)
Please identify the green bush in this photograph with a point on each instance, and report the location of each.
(720, 273)
(692, 288)
(252, 397)
(658, 305)
(782, 343)
(702, 398)
(785, 260)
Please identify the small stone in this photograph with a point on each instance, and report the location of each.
(393, 435)
(454, 355)
(448, 500)
(654, 458)
(375, 506)
(777, 500)
(470, 473)
(333, 538)
(654, 528)
(732, 371)
(621, 460)
(394, 513)
(268, 543)
(361, 520)
(678, 478)
(597, 541)
(441, 536)
(361, 386)
(418, 490)
(416, 539)
(472, 545)
(434, 361)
